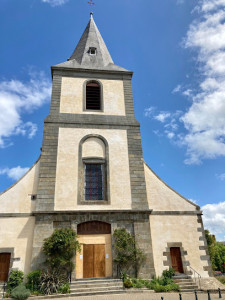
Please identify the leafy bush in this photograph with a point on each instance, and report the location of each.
(60, 248)
(162, 284)
(128, 283)
(127, 252)
(64, 289)
(15, 279)
(51, 282)
(20, 292)
(168, 273)
(33, 281)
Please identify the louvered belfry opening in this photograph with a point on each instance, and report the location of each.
(93, 96)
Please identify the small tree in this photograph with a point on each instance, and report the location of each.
(60, 248)
(127, 253)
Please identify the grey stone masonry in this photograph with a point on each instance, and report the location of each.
(143, 239)
(137, 223)
(47, 173)
(137, 176)
(128, 95)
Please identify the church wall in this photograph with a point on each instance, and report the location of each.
(17, 239)
(72, 94)
(66, 191)
(17, 199)
(184, 231)
(161, 197)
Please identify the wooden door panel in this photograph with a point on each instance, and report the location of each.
(176, 260)
(93, 261)
(4, 266)
(88, 261)
(99, 260)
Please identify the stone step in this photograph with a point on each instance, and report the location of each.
(182, 277)
(195, 287)
(187, 290)
(183, 280)
(115, 292)
(94, 289)
(96, 282)
(103, 284)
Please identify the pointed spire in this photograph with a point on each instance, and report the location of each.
(91, 50)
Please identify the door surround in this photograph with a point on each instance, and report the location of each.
(94, 233)
(167, 258)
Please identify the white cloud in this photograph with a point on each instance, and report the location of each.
(214, 219)
(162, 116)
(14, 173)
(204, 121)
(187, 93)
(18, 98)
(180, 2)
(177, 89)
(212, 4)
(221, 176)
(55, 2)
(149, 111)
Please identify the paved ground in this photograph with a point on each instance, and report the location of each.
(147, 296)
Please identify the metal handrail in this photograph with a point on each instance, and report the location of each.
(4, 289)
(199, 276)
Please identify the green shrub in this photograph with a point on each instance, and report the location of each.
(15, 279)
(33, 281)
(60, 248)
(51, 282)
(128, 282)
(64, 289)
(127, 253)
(20, 292)
(168, 273)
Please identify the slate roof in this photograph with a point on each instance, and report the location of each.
(81, 57)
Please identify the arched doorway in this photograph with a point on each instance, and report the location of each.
(95, 259)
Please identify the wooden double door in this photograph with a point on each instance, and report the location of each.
(4, 266)
(176, 260)
(93, 261)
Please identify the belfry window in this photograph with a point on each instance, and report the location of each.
(93, 96)
(92, 51)
(94, 181)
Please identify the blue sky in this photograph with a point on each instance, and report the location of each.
(176, 49)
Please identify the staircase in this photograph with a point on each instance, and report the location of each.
(96, 286)
(185, 283)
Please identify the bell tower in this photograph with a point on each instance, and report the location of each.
(91, 167)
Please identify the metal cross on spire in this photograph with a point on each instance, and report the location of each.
(91, 3)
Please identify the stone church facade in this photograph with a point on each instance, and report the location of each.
(91, 177)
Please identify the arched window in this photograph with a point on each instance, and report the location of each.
(93, 96)
(93, 171)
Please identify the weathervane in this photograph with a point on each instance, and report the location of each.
(91, 5)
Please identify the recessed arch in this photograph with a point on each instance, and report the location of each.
(93, 164)
(93, 227)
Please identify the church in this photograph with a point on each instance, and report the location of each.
(91, 177)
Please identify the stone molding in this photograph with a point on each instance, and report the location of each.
(183, 252)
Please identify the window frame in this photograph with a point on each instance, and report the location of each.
(101, 96)
(95, 161)
(81, 173)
